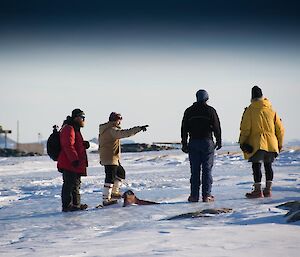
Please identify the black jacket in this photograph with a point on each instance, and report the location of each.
(199, 122)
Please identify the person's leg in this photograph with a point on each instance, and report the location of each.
(256, 193)
(257, 175)
(207, 179)
(269, 179)
(118, 179)
(110, 171)
(207, 159)
(67, 188)
(75, 191)
(195, 164)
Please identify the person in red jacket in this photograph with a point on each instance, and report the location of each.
(72, 161)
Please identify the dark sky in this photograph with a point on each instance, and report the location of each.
(150, 21)
(187, 13)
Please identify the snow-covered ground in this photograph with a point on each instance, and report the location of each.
(32, 223)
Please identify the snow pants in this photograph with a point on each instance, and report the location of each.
(112, 172)
(201, 156)
(70, 189)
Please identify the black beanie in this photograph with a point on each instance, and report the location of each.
(256, 92)
(202, 96)
(77, 113)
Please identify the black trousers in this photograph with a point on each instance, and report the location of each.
(257, 174)
(70, 189)
(112, 172)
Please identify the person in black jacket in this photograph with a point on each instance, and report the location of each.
(200, 122)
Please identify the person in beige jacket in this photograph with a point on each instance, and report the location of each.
(110, 134)
(261, 139)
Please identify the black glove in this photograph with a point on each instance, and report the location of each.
(86, 144)
(246, 148)
(144, 128)
(218, 145)
(185, 148)
(75, 164)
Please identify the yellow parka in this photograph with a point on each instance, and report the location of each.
(261, 128)
(109, 141)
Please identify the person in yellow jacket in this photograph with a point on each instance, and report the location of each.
(110, 134)
(261, 139)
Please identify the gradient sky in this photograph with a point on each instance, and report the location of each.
(146, 61)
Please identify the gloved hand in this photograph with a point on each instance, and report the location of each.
(144, 128)
(218, 146)
(246, 148)
(75, 164)
(185, 148)
(86, 144)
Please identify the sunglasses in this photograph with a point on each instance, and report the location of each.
(82, 117)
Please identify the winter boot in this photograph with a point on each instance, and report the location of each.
(68, 208)
(256, 192)
(72, 208)
(116, 189)
(83, 206)
(208, 199)
(268, 190)
(193, 199)
(107, 190)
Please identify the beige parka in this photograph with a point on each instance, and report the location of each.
(109, 141)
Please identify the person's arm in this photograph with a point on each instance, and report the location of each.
(217, 129)
(245, 127)
(184, 132)
(279, 131)
(123, 133)
(67, 141)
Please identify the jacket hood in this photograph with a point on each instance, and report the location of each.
(69, 121)
(107, 125)
(263, 103)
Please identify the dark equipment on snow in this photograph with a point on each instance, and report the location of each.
(53, 144)
(130, 199)
(246, 148)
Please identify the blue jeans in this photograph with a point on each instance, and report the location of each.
(201, 156)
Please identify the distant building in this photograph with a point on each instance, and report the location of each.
(31, 148)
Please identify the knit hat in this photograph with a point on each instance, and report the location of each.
(77, 112)
(202, 95)
(256, 92)
(115, 116)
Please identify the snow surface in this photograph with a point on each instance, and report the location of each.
(32, 223)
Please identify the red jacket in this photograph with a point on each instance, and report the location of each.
(72, 149)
